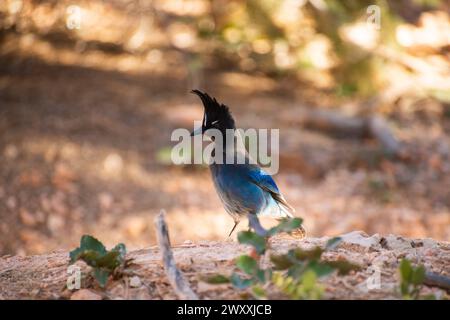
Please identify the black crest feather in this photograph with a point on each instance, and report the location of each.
(215, 111)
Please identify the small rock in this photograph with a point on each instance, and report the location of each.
(393, 242)
(135, 282)
(361, 238)
(426, 243)
(85, 294)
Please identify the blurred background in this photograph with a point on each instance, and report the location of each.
(90, 92)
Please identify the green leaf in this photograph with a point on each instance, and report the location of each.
(216, 279)
(296, 270)
(90, 247)
(286, 225)
(311, 254)
(94, 253)
(309, 279)
(251, 238)
(405, 270)
(418, 276)
(281, 262)
(262, 275)
(121, 249)
(404, 289)
(101, 276)
(91, 243)
(320, 269)
(110, 260)
(333, 243)
(258, 292)
(239, 282)
(247, 264)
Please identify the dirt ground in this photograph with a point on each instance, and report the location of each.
(83, 137)
(45, 276)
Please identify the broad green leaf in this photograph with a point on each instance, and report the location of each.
(311, 254)
(110, 260)
(296, 270)
(121, 249)
(91, 243)
(405, 270)
(251, 238)
(404, 289)
(94, 253)
(247, 264)
(309, 279)
(418, 275)
(262, 275)
(240, 283)
(89, 247)
(320, 269)
(281, 262)
(101, 276)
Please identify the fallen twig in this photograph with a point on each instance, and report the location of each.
(436, 280)
(176, 279)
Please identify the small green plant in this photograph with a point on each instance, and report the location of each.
(255, 276)
(94, 254)
(297, 271)
(294, 273)
(411, 281)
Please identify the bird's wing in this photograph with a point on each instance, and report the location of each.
(262, 179)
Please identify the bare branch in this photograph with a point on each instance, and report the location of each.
(176, 279)
(437, 280)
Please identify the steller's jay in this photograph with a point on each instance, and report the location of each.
(244, 189)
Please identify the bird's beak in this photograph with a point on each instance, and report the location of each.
(197, 131)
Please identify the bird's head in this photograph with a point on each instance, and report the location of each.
(216, 115)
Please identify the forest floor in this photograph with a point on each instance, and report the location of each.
(84, 139)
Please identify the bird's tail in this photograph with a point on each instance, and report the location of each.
(285, 207)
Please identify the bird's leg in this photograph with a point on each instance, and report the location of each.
(253, 223)
(236, 222)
